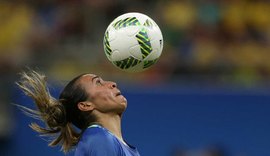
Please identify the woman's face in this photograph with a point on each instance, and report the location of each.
(104, 95)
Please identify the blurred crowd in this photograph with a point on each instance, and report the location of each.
(212, 41)
(223, 41)
(216, 42)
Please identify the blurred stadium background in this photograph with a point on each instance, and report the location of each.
(208, 95)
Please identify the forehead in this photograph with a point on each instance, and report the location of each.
(87, 78)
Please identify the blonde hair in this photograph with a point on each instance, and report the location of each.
(49, 110)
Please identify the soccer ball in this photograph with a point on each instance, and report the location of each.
(133, 42)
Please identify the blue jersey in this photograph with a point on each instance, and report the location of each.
(98, 141)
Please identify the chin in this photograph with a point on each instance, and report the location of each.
(123, 101)
(123, 106)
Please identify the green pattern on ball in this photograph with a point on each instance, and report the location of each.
(130, 21)
(148, 63)
(148, 24)
(127, 63)
(106, 44)
(144, 42)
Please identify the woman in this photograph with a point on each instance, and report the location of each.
(93, 105)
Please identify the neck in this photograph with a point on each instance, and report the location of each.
(112, 123)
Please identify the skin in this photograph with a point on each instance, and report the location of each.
(105, 102)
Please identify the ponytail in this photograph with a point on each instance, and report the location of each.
(49, 110)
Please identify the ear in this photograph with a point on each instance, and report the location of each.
(85, 106)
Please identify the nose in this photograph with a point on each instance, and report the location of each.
(112, 85)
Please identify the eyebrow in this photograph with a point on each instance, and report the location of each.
(95, 77)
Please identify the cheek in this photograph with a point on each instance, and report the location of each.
(102, 97)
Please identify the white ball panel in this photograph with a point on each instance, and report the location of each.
(118, 56)
(119, 45)
(112, 34)
(132, 31)
(136, 52)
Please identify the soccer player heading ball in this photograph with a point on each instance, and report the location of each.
(93, 105)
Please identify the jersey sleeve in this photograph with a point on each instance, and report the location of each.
(100, 144)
